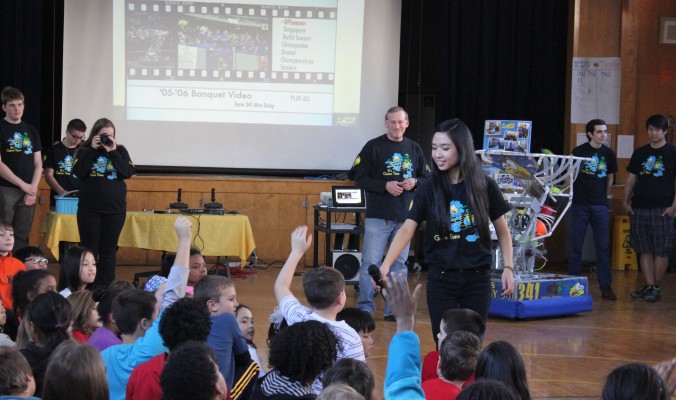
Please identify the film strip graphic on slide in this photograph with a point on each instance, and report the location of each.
(224, 42)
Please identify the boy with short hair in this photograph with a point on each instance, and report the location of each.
(225, 337)
(185, 320)
(363, 323)
(192, 373)
(459, 353)
(324, 289)
(9, 266)
(20, 166)
(16, 377)
(453, 320)
(135, 312)
(32, 257)
(60, 157)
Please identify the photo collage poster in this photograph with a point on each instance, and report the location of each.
(506, 135)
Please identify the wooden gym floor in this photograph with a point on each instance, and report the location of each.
(566, 357)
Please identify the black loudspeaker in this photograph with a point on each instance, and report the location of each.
(347, 262)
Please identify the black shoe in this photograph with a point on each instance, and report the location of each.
(607, 293)
(390, 318)
(640, 294)
(653, 294)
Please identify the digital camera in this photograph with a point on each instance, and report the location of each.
(105, 140)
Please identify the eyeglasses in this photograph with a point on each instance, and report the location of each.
(38, 260)
(78, 138)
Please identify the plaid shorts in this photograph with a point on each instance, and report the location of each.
(650, 232)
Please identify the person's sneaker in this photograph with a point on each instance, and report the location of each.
(640, 294)
(653, 294)
(607, 293)
(390, 318)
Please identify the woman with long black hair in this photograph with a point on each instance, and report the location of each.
(102, 166)
(458, 203)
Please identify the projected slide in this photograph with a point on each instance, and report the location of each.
(263, 62)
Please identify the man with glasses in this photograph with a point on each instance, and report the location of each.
(60, 157)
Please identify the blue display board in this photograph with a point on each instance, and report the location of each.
(509, 135)
(542, 295)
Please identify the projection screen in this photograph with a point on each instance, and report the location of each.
(246, 85)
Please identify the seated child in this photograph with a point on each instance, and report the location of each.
(5, 340)
(363, 323)
(85, 315)
(108, 334)
(49, 317)
(16, 377)
(635, 382)
(32, 257)
(9, 265)
(324, 289)
(78, 272)
(502, 361)
(225, 338)
(27, 285)
(452, 321)
(198, 267)
(354, 373)
(245, 321)
(185, 320)
(75, 372)
(192, 373)
(458, 357)
(298, 356)
(137, 316)
(484, 389)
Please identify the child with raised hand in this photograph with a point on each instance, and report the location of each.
(245, 320)
(324, 289)
(402, 375)
(362, 322)
(137, 316)
(85, 315)
(79, 271)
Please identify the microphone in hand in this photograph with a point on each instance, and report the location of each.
(374, 272)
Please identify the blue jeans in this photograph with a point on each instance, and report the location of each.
(378, 234)
(457, 289)
(597, 216)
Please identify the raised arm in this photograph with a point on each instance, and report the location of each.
(178, 276)
(300, 242)
(401, 239)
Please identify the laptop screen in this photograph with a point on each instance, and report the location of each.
(348, 196)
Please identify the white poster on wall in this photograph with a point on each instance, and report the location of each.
(596, 90)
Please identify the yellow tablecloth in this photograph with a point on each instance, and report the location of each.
(215, 235)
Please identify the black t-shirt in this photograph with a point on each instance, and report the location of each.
(61, 158)
(590, 187)
(655, 170)
(18, 143)
(382, 160)
(102, 174)
(462, 249)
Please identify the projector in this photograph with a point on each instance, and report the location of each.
(326, 198)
